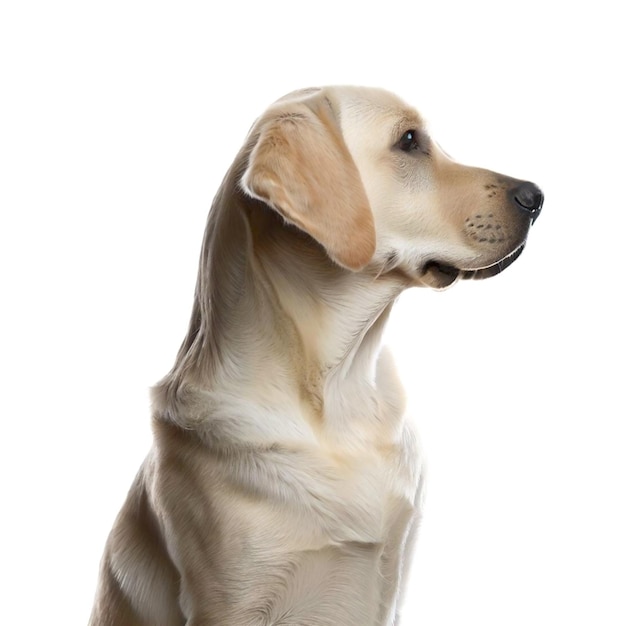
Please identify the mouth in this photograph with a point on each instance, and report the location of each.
(496, 268)
(446, 275)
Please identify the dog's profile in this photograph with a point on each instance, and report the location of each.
(283, 486)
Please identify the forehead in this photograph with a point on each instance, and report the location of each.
(374, 110)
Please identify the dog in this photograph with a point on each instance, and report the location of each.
(284, 485)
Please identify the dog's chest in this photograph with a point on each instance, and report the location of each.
(351, 496)
(318, 553)
(321, 496)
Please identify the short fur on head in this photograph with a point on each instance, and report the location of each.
(283, 487)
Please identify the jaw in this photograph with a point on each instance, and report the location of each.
(496, 268)
(440, 275)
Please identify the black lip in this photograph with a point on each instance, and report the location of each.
(451, 274)
(492, 270)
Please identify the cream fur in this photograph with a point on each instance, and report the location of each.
(284, 484)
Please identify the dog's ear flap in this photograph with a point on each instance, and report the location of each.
(302, 168)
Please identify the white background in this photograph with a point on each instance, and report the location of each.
(118, 120)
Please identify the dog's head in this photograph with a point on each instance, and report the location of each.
(357, 170)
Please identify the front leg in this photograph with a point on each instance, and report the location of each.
(396, 560)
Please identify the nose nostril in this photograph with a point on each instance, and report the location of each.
(528, 197)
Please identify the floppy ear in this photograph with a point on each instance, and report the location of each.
(302, 168)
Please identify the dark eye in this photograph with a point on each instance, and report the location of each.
(408, 142)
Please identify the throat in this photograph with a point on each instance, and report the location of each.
(333, 330)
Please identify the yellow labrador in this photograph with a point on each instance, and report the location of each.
(283, 487)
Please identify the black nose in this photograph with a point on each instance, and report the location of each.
(529, 198)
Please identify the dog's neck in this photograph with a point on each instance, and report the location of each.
(276, 321)
(335, 317)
